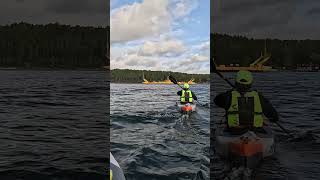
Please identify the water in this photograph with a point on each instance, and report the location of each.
(297, 99)
(149, 138)
(53, 125)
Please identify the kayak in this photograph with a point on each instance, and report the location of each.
(186, 107)
(246, 149)
(116, 172)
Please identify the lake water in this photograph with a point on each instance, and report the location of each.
(53, 125)
(150, 139)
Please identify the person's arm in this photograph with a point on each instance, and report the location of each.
(179, 93)
(194, 96)
(223, 100)
(268, 110)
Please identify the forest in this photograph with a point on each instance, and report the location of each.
(226, 49)
(136, 76)
(24, 45)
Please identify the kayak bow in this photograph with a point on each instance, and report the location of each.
(116, 172)
(185, 108)
(247, 149)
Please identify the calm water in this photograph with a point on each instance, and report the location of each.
(53, 125)
(297, 99)
(149, 138)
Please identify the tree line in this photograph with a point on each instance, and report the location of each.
(53, 46)
(226, 49)
(136, 76)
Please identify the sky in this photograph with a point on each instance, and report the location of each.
(164, 35)
(72, 12)
(282, 19)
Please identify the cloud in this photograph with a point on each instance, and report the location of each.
(73, 12)
(193, 59)
(131, 58)
(203, 47)
(199, 58)
(285, 19)
(135, 61)
(140, 20)
(183, 8)
(140, 42)
(77, 6)
(167, 47)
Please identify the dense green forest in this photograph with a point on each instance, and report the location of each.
(53, 46)
(136, 76)
(240, 50)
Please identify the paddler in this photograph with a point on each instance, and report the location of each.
(245, 107)
(186, 95)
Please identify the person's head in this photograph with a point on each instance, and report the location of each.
(244, 80)
(186, 86)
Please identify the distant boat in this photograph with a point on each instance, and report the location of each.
(256, 66)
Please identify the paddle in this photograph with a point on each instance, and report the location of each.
(283, 129)
(214, 69)
(174, 81)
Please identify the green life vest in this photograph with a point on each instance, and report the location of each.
(186, 96)
(233, 112)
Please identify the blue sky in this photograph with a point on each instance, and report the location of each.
(167, 35)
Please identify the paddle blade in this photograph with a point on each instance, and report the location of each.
(172, 79)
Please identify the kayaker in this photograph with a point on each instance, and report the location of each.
(186, 95)
(245, 107)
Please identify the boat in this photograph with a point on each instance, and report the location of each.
(186, 108)
(256, 66)
(247, 149)
(116, 172)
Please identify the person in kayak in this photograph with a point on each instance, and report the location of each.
(245, 107)
(186, 95)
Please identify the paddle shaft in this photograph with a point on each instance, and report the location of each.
(281, 127)
(225, 79)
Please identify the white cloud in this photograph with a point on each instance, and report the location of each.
(140, 20)
(130, 59)
(199, 58)
(183, 8)
(153, 55)
(149, 35)
(204, 46)
(194, 63)
(193, 59)
(166, 47)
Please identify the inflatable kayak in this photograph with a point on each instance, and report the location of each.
(186, 107)
(116, 172)
(246, 149)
